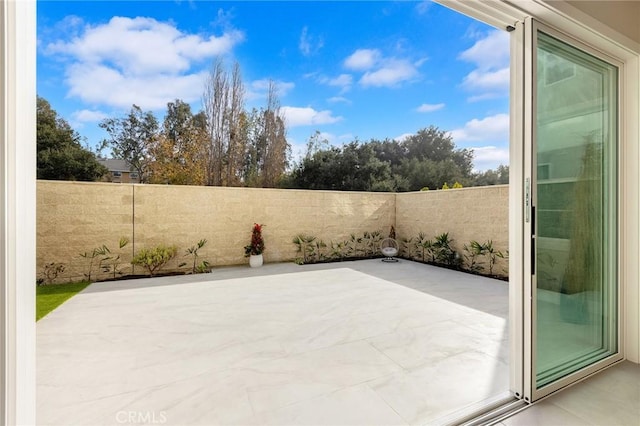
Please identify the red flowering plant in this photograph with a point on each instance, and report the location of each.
(257, 243)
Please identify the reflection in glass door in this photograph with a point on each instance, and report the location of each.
(576, 210)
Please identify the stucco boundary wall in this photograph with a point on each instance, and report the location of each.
(76, 217)
(467, 214)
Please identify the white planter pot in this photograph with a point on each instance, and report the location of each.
(255, 260)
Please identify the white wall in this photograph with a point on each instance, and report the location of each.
(17, 261)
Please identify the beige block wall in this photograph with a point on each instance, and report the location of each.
(182, 215)
(76, 217)
(479, 213)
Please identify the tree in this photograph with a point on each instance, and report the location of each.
(274, 132)
(499, 176)
(214, 102)
(390, 151)
(236, 128)
(428, 158)
(316, 143)
(267, 150)
(227, 125)
(60, 156)
(131, 137)
(178, 153)
(354, 167)
(437, 145)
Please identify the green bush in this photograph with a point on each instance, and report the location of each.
(154, 259)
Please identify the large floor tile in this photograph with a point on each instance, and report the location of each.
(545, 414)
(287, 346)
(420, 346)
(599, 406)
(357, 405)
(441, 388)
(304, 376)
(611, 398)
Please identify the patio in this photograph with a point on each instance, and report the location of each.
(361, 342)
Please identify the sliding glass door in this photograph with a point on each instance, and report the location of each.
(574, 210)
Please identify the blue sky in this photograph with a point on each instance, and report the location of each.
(364, 69)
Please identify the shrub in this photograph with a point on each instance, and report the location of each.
(492, 254)
(312, 249)
(197, 268)
(113, 260)
(256, 246)
(444, 252)
(50, 272)
(155, 258)
(473, 252)
(98, 251)
(306, 247)
(425, 247)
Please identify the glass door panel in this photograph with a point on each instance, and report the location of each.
(576, 209)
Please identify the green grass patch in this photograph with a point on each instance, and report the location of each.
(49, 297)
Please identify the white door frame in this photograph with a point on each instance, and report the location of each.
(18, 229)
(530, 78)
(571, 22)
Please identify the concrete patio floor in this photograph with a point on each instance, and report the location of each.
(361, 342)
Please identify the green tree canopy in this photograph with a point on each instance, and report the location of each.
(60, 156)
(131, 137)
(428, 158)
(354, 167)
(498, 176)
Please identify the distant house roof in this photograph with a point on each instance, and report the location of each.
(115, 165)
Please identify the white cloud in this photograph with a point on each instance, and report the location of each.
(88, 116)
(488, 81)
(142, 46)
(257, 89)
(492, 128)
(362, 59)
(261, 86)
(307, 116)
(489, 52)
(304, 45)
(419, 62)
(137, 60)
(346, 137)
(403, 136)
(483, 96)
(423, 6)
(98, 84)
(429, 107)
(490, 55)
(489, 157)
(343, 81)
(393, 71)
(338, 99)
(308, 44)
(380, 71)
